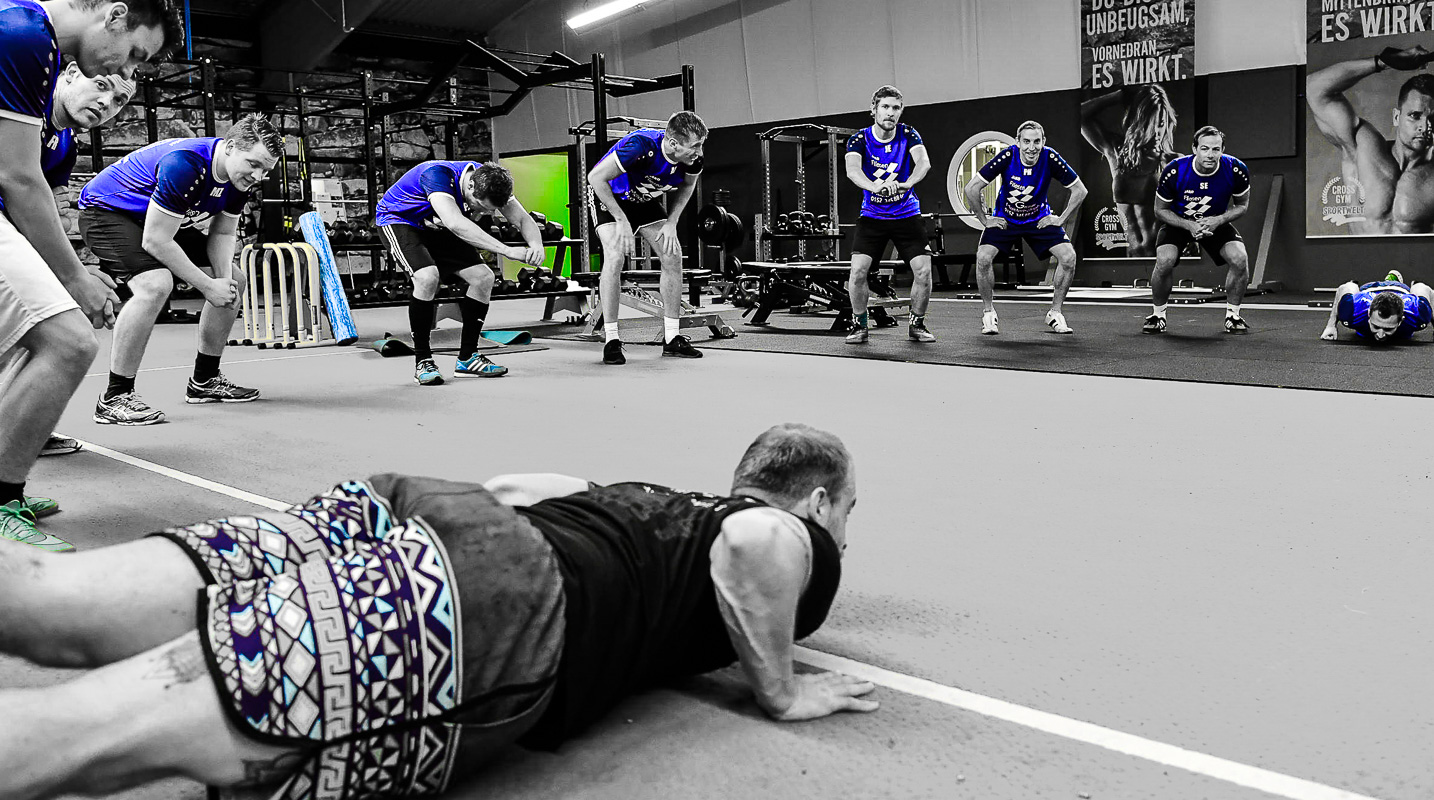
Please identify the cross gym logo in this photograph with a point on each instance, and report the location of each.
(1110, 230)
(1342, 201)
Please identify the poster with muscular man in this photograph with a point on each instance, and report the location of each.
(1369, 128)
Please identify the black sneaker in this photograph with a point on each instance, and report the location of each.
(1153, 324)
(1236, 325)
(612, 352)
(218, 389)
(681, 348)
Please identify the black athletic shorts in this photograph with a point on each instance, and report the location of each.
(117, 240)
(1010, 237)
(1179, 237)
(417, 248)
(639, 215)
(908, 234)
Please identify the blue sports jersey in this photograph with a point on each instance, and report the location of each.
(646, 173)
(1193, 196)
(881, 160)
(57, 156)
(29, 61)
(177, 174)
(1354, 309)
(406, 201)
(1022, 199)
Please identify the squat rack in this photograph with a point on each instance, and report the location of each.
(802, 136)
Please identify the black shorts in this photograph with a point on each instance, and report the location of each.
(639, 215)
(908, 234)
(1179, 238)
(1041, 240)
(417, 248)
(117, 240)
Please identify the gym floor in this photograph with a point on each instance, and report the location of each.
(1205, 570)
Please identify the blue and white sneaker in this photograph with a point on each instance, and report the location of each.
(479, 366)
(425, 373)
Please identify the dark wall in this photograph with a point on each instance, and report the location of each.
(1262, 111)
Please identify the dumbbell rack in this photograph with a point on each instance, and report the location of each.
(800, 135)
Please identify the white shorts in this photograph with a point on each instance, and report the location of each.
(29, 291)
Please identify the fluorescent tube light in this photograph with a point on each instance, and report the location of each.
(602, 12)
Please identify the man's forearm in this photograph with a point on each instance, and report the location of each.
(468, 230)
(31, 206)
(173, 257)
(918, 173)
(974, 203)
(1169, 217)
(679, 202)
(220, 249)
(1072, 203)
(1335, 79)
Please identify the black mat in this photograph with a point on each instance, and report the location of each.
(1282, 349)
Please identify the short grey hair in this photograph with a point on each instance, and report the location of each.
(790, 460)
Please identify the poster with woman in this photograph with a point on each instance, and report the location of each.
(1369, 155)
(1137, 115)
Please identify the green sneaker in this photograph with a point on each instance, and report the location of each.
(41, 506)
(18, 524)
(1394, 276)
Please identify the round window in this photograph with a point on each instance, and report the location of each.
(970, 156)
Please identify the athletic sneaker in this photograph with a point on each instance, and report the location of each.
(18, 525)
(218, 389)
(990, 326)
(126, 409)
(679, 347)
(1236, 325)
(41, 506)
(1057, 322)
(425, 373)
(919, 333)
(612, 352)
(1395, 275)
(58, 445)
(1153, 324)
(479, 365)
(858, 335)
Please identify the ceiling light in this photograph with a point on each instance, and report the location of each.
(602, 12)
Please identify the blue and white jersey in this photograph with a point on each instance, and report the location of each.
(646, 173)
(882, 160)
(29, 61)
(1022, 199)
(177, 174)
(1354, 309)
(1193, 195)
(57, 156)
(406, 201)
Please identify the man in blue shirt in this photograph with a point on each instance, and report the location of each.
(139, 216)
(426, 219)
(628, 185)
(53, 302)
(886, 161)
(1197, 199)
(79, 103)
(1381, 312)
(1023, 214)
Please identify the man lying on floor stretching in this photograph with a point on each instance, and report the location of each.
(388, 636)
(1381, 311)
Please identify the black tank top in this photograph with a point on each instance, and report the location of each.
(641, 606)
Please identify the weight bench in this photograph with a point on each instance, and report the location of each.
(785, 286)
(636, 295)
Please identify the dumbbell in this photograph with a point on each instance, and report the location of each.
(824, 223)
(784, 224)
(552, 231)
(526, 277)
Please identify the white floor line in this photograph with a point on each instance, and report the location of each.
(1263, 780)
(339, 352)
(185, 477)
(1247, 307)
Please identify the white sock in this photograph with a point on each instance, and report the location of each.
(670, 327)
(1232, 310)
(609, 331)
(1160, 310)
